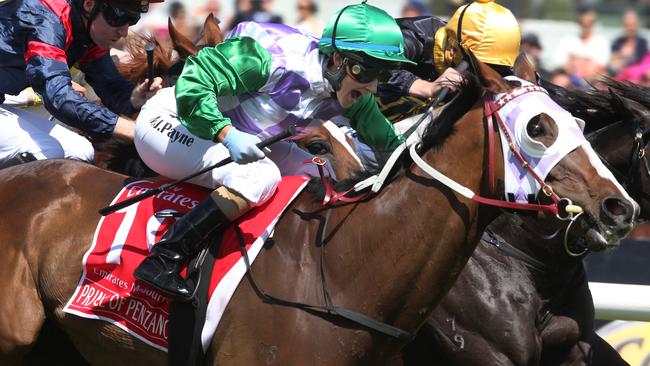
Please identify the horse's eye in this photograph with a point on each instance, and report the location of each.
(535, 128)
(318, 148)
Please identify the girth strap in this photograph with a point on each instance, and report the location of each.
(506, 247)
(329, 309)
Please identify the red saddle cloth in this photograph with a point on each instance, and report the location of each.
(107, 289)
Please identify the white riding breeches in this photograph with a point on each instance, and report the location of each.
(24, 131)
(168, 148)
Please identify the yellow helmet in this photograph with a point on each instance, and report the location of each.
(486, 28)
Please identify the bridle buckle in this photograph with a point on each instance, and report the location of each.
(318, 160)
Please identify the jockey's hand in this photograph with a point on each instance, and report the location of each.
(124, 129)
(428, 89)
(241, 146)
(450, 78)
(78, 88)
(144, 91)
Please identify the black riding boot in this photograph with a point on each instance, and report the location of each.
(17, 160)
(183, 241)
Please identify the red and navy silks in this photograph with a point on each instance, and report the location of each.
(39, 41)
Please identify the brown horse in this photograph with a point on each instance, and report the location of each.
(536, 308)
(164, 60)
(378, 263)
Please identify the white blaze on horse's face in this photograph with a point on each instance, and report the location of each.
(607, 174)
(340, 136)
(517, 110)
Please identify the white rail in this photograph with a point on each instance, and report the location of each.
(621, 302)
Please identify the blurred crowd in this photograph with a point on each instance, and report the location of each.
(578, 60)
(308, 18)
(582, 57)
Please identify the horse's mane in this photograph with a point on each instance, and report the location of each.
(598, 108)
(121, 157)
(437, 131)
(629, 90)
(136, 68)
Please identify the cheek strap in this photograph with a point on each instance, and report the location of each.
(335, 78)
(90, 16)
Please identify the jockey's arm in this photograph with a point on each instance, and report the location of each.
(237, 66)
(419, 34)
(372, 126)
(111, 87)
(47, 72)
(401, 80)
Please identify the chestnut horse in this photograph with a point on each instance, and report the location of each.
(394, 268)
(536, 308)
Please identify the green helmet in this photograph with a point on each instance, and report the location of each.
(364, 30)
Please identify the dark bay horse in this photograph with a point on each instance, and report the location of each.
(394, 268)
(537, 311)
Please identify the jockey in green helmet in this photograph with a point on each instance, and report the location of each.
(368, 40)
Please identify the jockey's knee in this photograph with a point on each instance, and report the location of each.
(254, 181)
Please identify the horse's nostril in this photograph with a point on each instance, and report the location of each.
(617, 208)
(614, 207)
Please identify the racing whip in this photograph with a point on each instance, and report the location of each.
(289, 132)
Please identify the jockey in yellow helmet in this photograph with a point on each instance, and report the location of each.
(486, 28)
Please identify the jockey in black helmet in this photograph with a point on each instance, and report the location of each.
(486, 28)
(39, 41)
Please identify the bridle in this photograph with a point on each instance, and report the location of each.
(561, 207)
(629, 180)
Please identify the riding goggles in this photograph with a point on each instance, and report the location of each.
(118, 17)
(367, 74)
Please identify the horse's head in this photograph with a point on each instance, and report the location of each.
(330, 142)
(135, 69)
(617, 125)
(622, 146)
(166, 64)
(540, 138)
(210, 36)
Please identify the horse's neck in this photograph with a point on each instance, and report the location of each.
(406, 246)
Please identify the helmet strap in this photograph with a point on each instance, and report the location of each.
(459, 30)
(335, 78)
(90, 16)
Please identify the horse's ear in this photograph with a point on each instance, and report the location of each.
(211, 32)
(524, 68)
(489, 78)
(182, 44)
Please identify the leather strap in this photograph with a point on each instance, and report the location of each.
(506, 247)
(327, 309)
(491, 109)
(331, 195)
(490, 133)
